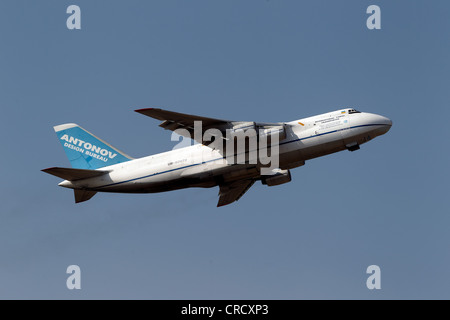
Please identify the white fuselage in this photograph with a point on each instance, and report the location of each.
(201, 166)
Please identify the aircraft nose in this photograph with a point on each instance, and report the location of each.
(386, 122)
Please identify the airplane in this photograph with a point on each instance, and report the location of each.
(99, 167)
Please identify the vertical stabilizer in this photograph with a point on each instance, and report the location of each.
(85, 150)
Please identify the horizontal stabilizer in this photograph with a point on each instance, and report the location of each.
(74, 174)
(83, 195)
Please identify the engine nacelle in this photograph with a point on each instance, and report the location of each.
(269, 132)
(279, 177)
(261, 131)
(243, 126)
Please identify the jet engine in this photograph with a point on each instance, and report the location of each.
(279, 177)
(271, 131)
(262, 130)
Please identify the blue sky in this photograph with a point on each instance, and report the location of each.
(243, 60)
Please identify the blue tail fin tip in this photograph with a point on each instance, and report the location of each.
(85, 150)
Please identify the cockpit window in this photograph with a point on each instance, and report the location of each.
(350, 111)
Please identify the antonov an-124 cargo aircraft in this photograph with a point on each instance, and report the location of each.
(229, 154)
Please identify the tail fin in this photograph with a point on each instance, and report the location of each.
(86, 151)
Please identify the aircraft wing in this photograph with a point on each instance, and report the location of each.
(181, 120)
(232, 192)
(175, 120)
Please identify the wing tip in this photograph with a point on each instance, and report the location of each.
(144, 109)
